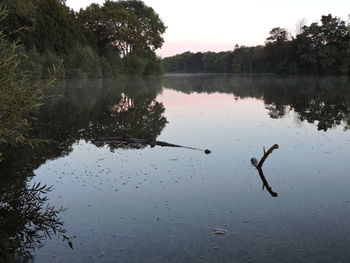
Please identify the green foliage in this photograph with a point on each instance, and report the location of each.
(208, 62)
(146, 26)
(49, 25)
(324, 48)
(153, 66)
(19, 96)
(248, 59)
(92, 43)
(111, 62)
(83, 62)
(134, 64)
(132, 28)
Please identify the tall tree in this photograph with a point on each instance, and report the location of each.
(128, 25)
(276, 48)
(325, 46)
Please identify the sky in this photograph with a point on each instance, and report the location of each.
(202, 25)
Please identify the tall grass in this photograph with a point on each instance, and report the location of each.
(20, 97)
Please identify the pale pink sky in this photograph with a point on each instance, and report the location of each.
(218, 25)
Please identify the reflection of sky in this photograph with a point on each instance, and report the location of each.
(219, 25)
(215, 102)
(114, 200)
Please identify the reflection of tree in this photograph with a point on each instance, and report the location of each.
(26, 219)
(265, 183)
(276, 111)
(325, 101)
(328, 115)
(132, 117)
(87, 109)
(142, 119)
(101, 108)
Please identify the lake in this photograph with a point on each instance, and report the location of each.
(130, 202)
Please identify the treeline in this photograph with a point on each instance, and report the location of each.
(209, 62)
(117, 38)
(321, 49)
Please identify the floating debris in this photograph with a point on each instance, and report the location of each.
(219, 231)
(135, 142)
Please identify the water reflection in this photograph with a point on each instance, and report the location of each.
(89, 109)
(265, 183)
(86, 110)
(101, 108)
(259, 165)
(26, 220)
(324, 101)
(76, 110)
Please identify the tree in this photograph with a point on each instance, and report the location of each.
(128, 25)
(247, 59)
(47, 24)
(325, 46)
(133, 28)
(277, 35)
(276, 48)
(146, 26)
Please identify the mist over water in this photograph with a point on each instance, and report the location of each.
(135, 203)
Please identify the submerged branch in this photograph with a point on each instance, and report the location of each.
(266, 154)
(152, 143)
(258, 166)
(266, 184)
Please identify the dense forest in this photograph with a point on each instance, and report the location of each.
(319, 49)
(117, 38)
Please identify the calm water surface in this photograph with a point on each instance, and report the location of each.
(134, 203)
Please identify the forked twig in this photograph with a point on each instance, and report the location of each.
(258, 166)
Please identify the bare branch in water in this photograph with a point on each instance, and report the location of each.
(266, 184)
(134, 141)
(258, 166)
(266, 154)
